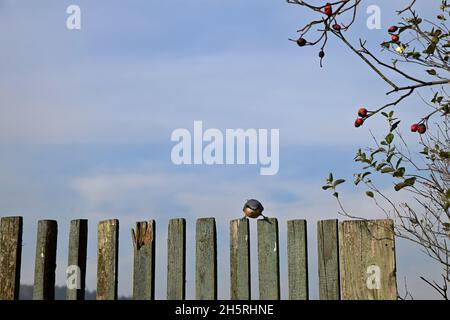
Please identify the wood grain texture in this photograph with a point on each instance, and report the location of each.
(240, 288)
(367, 260)
(206, 259)
(268, 259)
(297, 260)
(78, 236)
(176, 260)
(107, 259)
(144, 243)
(10, 257)
(328, 259)
(45, 260)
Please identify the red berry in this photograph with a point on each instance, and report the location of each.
(421, 128)
(328, 9)
(392, 29)
(395, 38)
(337, 27)
(362, 112)
(301, 42)
(414, 127)
(359, 122)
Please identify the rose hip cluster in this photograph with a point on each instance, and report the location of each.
(328, 11)
(362, 113)
(418, 127)
(392, 30)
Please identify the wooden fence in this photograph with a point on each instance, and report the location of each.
(356, 259)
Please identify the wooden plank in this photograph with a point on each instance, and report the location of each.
(76, 272)
(144, 241)
(107, 260)
(206, 259)
(268, 259)
(10, 256)
(176, 260)
(240, 288)
(297, 260)
(328, 256)
(367, 260)
(45, 260)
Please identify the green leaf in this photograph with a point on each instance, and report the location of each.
(444, 154)
(431, 48)
(395, 125)
(398, 162)
(326, 187)
(330, 178)
(338, 182)
(369, 194)
(389, 138)
(431, 72)
(388, 159)
(425, 151)
(407, 183)
(366, 174)
(399, 173)
(387, 170)
(377, 151)
(336, 194)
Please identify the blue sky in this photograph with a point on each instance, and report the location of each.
(86, 118)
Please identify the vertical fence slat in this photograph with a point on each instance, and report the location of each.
(76, 272)
(297, 260)
(368, 270)
(328, 254)
(176, 260)
(268, 259)
(107, 259)
(206, 259)
(45, 260)
(144, 260)
(240, 259)
(10, 257)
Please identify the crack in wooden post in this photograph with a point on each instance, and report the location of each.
(144, 244)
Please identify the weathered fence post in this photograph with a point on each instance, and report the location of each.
(10, 256)
(107, 260)
(76, 270)
(45, 260)
(328, 256)
(206, 260)
(144, 260)
(176, 260)
(297, 260)
(240, 259)
(367, 260)
(268, 259)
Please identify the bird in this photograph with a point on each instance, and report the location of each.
(253, 209)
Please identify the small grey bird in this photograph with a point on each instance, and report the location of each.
(253, 209)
